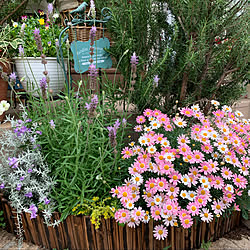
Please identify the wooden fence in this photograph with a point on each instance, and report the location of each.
(77, 232)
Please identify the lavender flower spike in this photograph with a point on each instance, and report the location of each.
(52, 124)
(13, 77)
(156, 81)
(93, 75)
(29, 195)
(43, 83)
(2, 186)
(38, 39)
(92, 35)
(50, 8)
(13, 162)
(134, 59)
(21, 51)
(92, 105)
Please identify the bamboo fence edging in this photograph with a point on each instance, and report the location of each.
(77, 232)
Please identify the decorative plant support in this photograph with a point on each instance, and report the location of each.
(80, 19)
(77, 232)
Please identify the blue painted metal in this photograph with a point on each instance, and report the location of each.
(81, 55)
(80, 18)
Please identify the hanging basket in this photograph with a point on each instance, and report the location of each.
(11, 9)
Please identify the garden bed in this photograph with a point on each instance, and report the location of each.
(77, 232)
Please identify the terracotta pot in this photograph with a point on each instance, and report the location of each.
(4, 85)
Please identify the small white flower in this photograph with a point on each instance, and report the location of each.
(56, 15)
(248, 192)
(154, 124)
(169, 157)
(238, 113)
(223, 148)
(157, 199)
(15, 24)
(184, 194)
(229, 188)
(195, 108)
(130, 205)
(215, 103)
(165, 143)
(185, 179)
(143, 140)
(137, 179)
(151, 149)
(191, 195)
(226, 108)
(179, 122)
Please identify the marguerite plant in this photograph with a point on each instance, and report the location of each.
(185, 168)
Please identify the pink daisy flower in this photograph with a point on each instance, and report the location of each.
(168, 127)
(133, 223)
(160, 232)
(201, 200)
(175, 177)
(170, 220)
(183, 139)
(218, 207)
(151, 185)
(127, 153)
(168, 207)
(207, 148)
(205, 168)
(114, 191)
(122, 215)
(140, 119)
(193, 207)
(187, 112)
(173, 190)
(229, 197)
(205, 215)
(183, 213)
(217, 182)
(213, 165)
(156, 212)
(184, 149)
(239, 181)
(187, 222)
(156, 113)
(138, 128)
(161, 184)
(137, 213)
(147, 112)
(226, 173)
(124, 193)
(198, 157)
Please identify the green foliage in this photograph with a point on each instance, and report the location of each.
(49, 32)
(200, 54)
(206, 245)
(8, 42)
(78, 150)
(2, 223)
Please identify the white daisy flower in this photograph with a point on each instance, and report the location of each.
(238, 113)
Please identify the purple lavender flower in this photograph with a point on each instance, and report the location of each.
(50, 8)
(93, 75)
(33, 209)
(12, 77)
(22, 178)
(29, 195)
(39, 132)
(43, 83)
(124, 122)
(156, 81)
(52, 124)
(117, 124)
(29, 170)
(2, 186)
(134, 59)
(92, 105)
(38, 39)
(13, 162)
(18, 187)
(22, 28)
(46, 201)
(92, 35)
(28, 120)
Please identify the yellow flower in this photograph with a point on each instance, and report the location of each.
(41, 21)
(95, 198)
(15, 24)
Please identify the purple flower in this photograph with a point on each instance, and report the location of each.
(46, 201)
(38, 39)
(24, 18)
(124, 122)
(29, 170)
(57, 43)
(39, 132)
(33, 209)
(29, 195)
(134, 59)
(117, 124)
(22, 178)
(156, 80)
(18, 187)
(28, 120)
(2, 186)
(43, 83)
(50, 8)
(49, 43)
(92, 105)
(93, 75)
(22, 28)
(13, 77)
(13, 162)
(92, 35)
(52, 124)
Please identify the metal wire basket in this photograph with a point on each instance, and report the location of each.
(11, 9)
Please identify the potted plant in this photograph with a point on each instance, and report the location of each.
(40, 44)
(7, 46)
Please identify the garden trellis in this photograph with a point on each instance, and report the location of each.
(80, 44)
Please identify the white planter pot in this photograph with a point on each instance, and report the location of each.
(32, 69)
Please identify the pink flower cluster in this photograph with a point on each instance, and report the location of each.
(185, 168)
